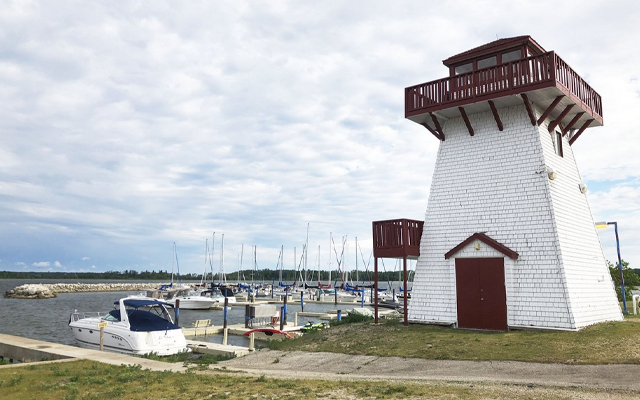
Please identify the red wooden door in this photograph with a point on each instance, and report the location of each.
(481, 296)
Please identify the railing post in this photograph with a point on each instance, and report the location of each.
(552, 60)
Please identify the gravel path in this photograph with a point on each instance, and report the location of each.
(305, 365)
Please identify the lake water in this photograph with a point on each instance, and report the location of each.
(47, 319)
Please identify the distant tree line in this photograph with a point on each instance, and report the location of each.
(264, 275)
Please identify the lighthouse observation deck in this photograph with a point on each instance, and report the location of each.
(504, 73)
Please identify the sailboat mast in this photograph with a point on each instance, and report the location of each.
(357, 280)
(280, 259)
(241, 260)
(206, 253)
(223, 278)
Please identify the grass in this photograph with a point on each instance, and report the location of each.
(189, 359)
(92, 380)
(606, 343)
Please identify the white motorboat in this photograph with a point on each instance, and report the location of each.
(191, 300)
(137, 325)
(218, 294)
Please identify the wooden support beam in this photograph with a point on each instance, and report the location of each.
(563, 114)
(582, 128)
(437, 124)
(495, 115)
(466, 120)
(527, 105)
(434, 133)
(572, 123)
(550, 108)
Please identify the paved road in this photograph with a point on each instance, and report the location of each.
(278, 364)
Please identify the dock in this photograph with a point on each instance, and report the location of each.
(27, 350)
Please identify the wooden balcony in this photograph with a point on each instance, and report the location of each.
(546, 80)
(397, 238)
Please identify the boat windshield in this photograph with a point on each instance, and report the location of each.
(145, 320)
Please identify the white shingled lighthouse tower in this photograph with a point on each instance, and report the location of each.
(508, 238)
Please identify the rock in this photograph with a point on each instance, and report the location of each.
(47, 291)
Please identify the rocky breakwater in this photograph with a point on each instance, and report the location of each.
(50, 290)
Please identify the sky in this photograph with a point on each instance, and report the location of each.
(128, 126)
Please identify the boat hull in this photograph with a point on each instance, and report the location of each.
(120, 339)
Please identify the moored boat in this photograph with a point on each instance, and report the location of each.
(137, 325)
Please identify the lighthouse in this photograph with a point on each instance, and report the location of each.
(508, 239)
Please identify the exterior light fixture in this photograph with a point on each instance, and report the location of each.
(551, 173)
(583, 188)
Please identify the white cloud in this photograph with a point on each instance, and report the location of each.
(41, 264)
(125, 132)
(57, 264)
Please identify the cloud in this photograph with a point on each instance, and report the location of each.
(21, 264)
(41, 264)
(126, 132)
(57, 264)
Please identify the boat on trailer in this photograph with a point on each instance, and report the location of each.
(137, 325)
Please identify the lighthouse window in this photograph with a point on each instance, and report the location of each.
(510, 56)
(487, 62)
(557, 143)
(463, 69)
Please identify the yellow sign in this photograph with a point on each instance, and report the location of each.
(103, 324)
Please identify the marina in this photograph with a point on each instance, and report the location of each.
(47, 319)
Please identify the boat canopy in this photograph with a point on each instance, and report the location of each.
(145, 321)
(136, 303)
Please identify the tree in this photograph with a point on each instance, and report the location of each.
(631, 279)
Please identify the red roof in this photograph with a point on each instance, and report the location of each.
(496, 45)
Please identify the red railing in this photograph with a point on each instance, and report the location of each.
(500, 80)
(397, 238)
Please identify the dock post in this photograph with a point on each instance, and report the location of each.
(225, 335)
(252, 341)
(247, 315)
(362, 300)
(302, 301)
(226, 312)
(284, 314)
(339, 315)
(406, 291)
(335, 296)
(102, 338)
(272, 291)
(295, 319)
(177, 311)
(375, 288)
(282, 318)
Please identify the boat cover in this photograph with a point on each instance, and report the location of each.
(136, 303)
(145, 321)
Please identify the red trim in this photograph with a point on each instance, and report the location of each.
(563, 114)
(496, 46)
(437, 124)
(550, 109)
(572, 123)
(584, 126)
(495, 115)
(434, 133)
(532, 117)
(466, 121)
(488, 241)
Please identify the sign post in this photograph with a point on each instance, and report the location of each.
(102, 325)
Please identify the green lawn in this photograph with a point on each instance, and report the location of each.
(607, 343)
